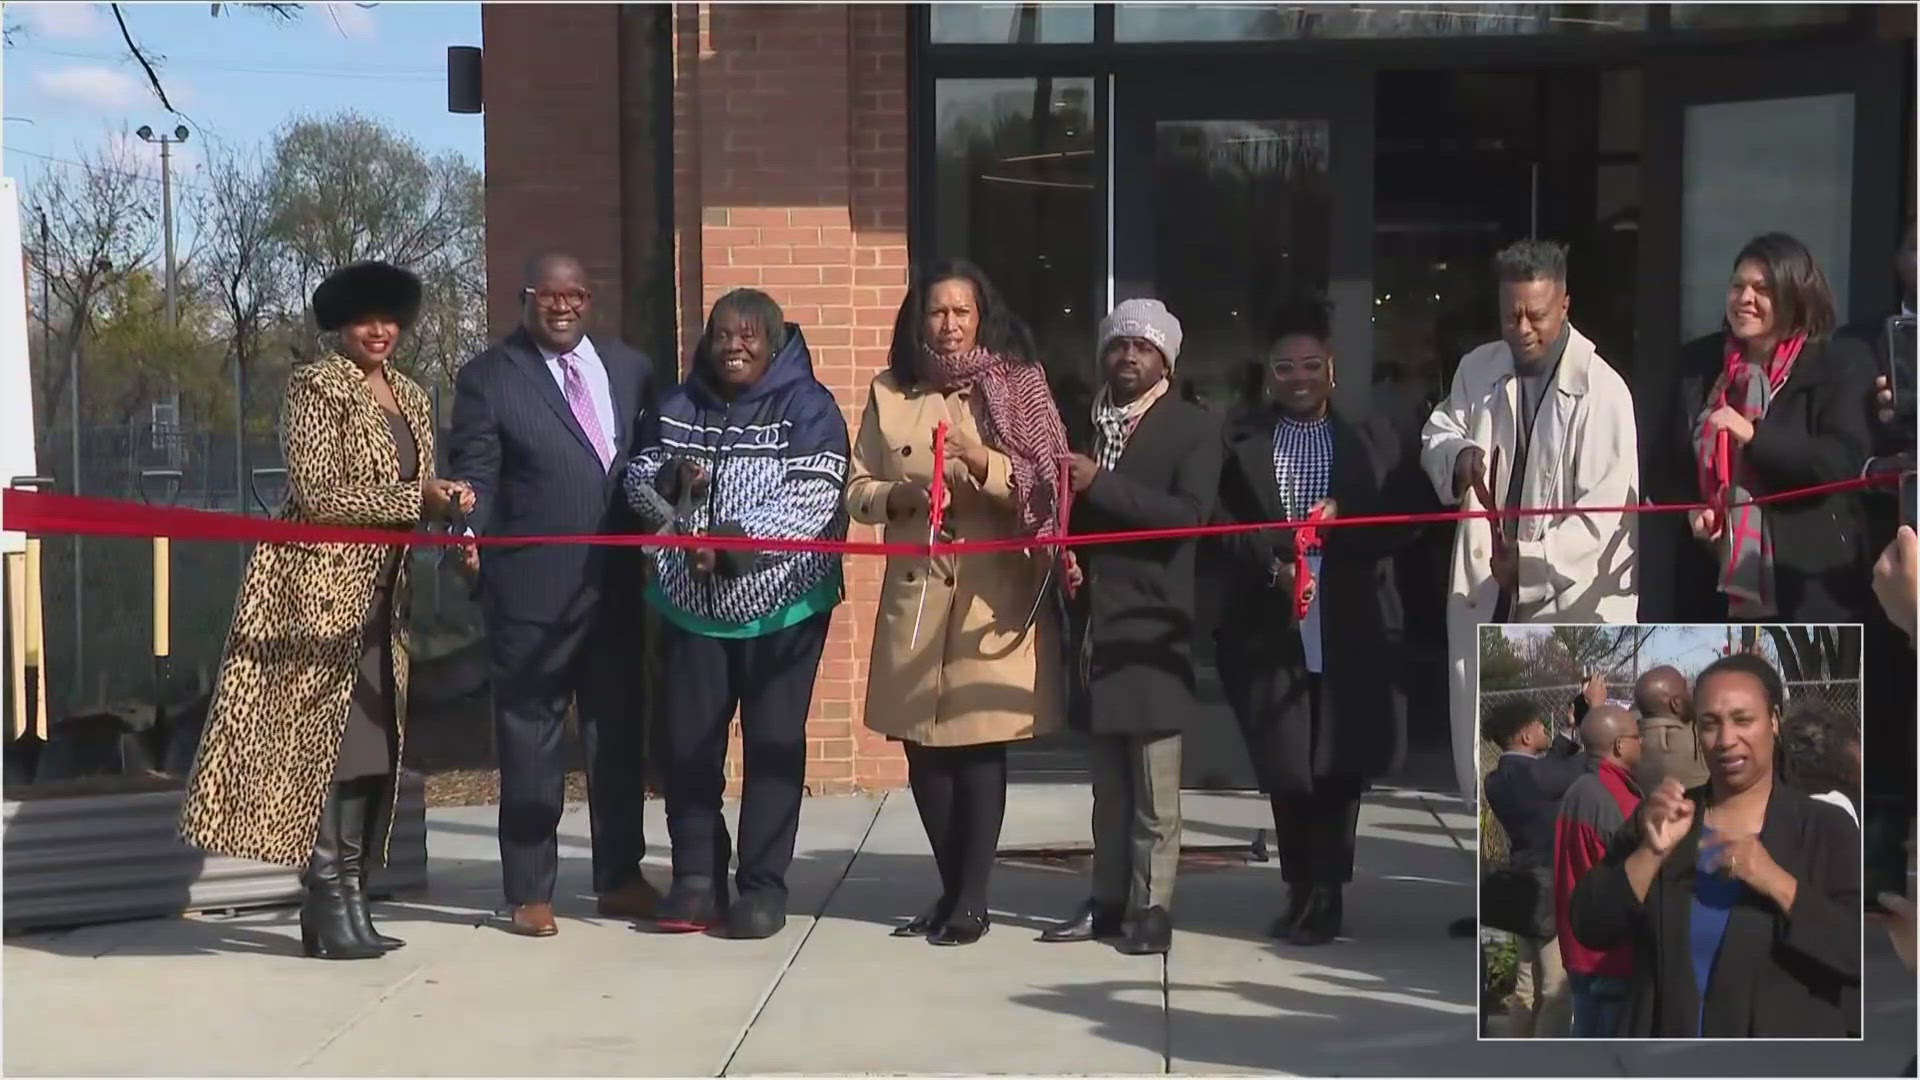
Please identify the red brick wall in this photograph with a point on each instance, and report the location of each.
(790, 134)
(553, 176)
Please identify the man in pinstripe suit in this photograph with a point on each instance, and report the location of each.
(543, 423)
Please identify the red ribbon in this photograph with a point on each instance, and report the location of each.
(1306, 541)
(937, 491)
(47, 514)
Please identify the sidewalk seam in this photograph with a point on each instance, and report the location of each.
(773, 985)
(365, 1011)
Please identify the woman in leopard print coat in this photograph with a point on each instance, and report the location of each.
(301, 753)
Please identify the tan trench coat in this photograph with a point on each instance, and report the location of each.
(279, 706)
(980, 673)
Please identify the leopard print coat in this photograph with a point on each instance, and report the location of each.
(279, 706)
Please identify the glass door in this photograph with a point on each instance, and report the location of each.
(1227, 202)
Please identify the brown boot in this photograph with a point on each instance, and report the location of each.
(532, 920)
(637, 899)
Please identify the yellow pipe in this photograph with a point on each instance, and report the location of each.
(16, 582)
(162, 597)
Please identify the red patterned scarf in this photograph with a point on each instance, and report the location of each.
(1745, 543)
(1022, 423)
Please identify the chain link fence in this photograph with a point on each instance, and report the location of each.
(1839, 695)
(97, 592)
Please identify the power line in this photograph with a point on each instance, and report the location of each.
(376, 74)
(70, 163)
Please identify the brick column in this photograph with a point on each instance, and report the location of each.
(774, 189)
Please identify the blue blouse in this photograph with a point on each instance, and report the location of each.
(1714, 895)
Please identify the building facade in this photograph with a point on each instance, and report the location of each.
(1219, 157)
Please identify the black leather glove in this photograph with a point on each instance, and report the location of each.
(682, 483)
(732, 562)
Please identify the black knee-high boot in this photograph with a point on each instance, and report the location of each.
(357, 845)
(327, 929)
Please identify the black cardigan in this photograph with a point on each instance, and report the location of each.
(1816, 431)
(1778, 976)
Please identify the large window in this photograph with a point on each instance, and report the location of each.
(1285, 22)
(1016, 192)
(1011, 24)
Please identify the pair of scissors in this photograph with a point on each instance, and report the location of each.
(1485, 495)
(936, 513)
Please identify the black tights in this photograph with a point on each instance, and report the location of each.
(961, 792)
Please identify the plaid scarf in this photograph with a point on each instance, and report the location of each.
(1022, 423)
(1745, 543)
(1113, 424)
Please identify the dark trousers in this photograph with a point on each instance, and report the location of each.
(961, 793)
(592, 657)
(1315, 833)
(770, 681)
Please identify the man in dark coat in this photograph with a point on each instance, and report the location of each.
(543, 423)
(1316, 698)
(1155, 465)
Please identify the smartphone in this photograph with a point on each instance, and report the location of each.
(1906, 499)
(1901, 347)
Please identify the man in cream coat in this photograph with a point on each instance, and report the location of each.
(1536, 419)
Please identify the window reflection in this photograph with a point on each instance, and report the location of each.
(1744, 16)
(1242, 212)
(1016, 193)
(1285, 22)
(1011, 24)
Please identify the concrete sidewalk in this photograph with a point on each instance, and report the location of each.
(834, 994)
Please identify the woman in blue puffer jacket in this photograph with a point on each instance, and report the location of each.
(751, 444)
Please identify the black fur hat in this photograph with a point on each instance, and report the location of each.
(366, 288)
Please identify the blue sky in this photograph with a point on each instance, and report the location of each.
(1688, 648)
(237, 77)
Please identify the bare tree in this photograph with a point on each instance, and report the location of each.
(1597, 648)
(243, 264)
(99, 228)
(1816, 653)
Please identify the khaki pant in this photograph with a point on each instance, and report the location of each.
(1540, 987)
(1136, 819)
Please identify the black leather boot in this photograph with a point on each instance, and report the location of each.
(1094, 921)
(1321, 923)
(356, 821)
(1284, 926)
(927, 921)
(327, 930)
(1151, 933)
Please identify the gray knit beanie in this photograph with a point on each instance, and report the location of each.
(1146, 319)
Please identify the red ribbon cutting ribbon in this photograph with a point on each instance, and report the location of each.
(46, 514)
(1306, 542)
(937, 491)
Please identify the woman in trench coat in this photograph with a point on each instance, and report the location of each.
(301, 753)
(1317, 699)
(966, 654)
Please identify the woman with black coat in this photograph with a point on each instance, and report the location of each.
(1154, 464)
(1316, 699)
(1772, 403)
(1741, 897)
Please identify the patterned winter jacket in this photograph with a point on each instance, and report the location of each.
(777, 461)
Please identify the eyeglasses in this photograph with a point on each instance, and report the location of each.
(558, 299)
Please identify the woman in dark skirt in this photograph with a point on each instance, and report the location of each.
(300, 759)
(1317, 698)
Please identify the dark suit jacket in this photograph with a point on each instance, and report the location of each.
(1134, 620)
(534, 473)
(1359, 730)
(1778, 976)
(1815, 432)
(1524, 794)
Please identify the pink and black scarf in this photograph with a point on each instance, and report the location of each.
(1022, 423)
(1745, 542)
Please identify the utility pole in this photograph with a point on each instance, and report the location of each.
(166, 207)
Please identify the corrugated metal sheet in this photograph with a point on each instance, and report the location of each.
(103, 858)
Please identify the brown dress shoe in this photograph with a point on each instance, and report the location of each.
(532, 920)
(637, 899)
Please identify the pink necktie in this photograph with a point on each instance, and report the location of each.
(582, 405)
